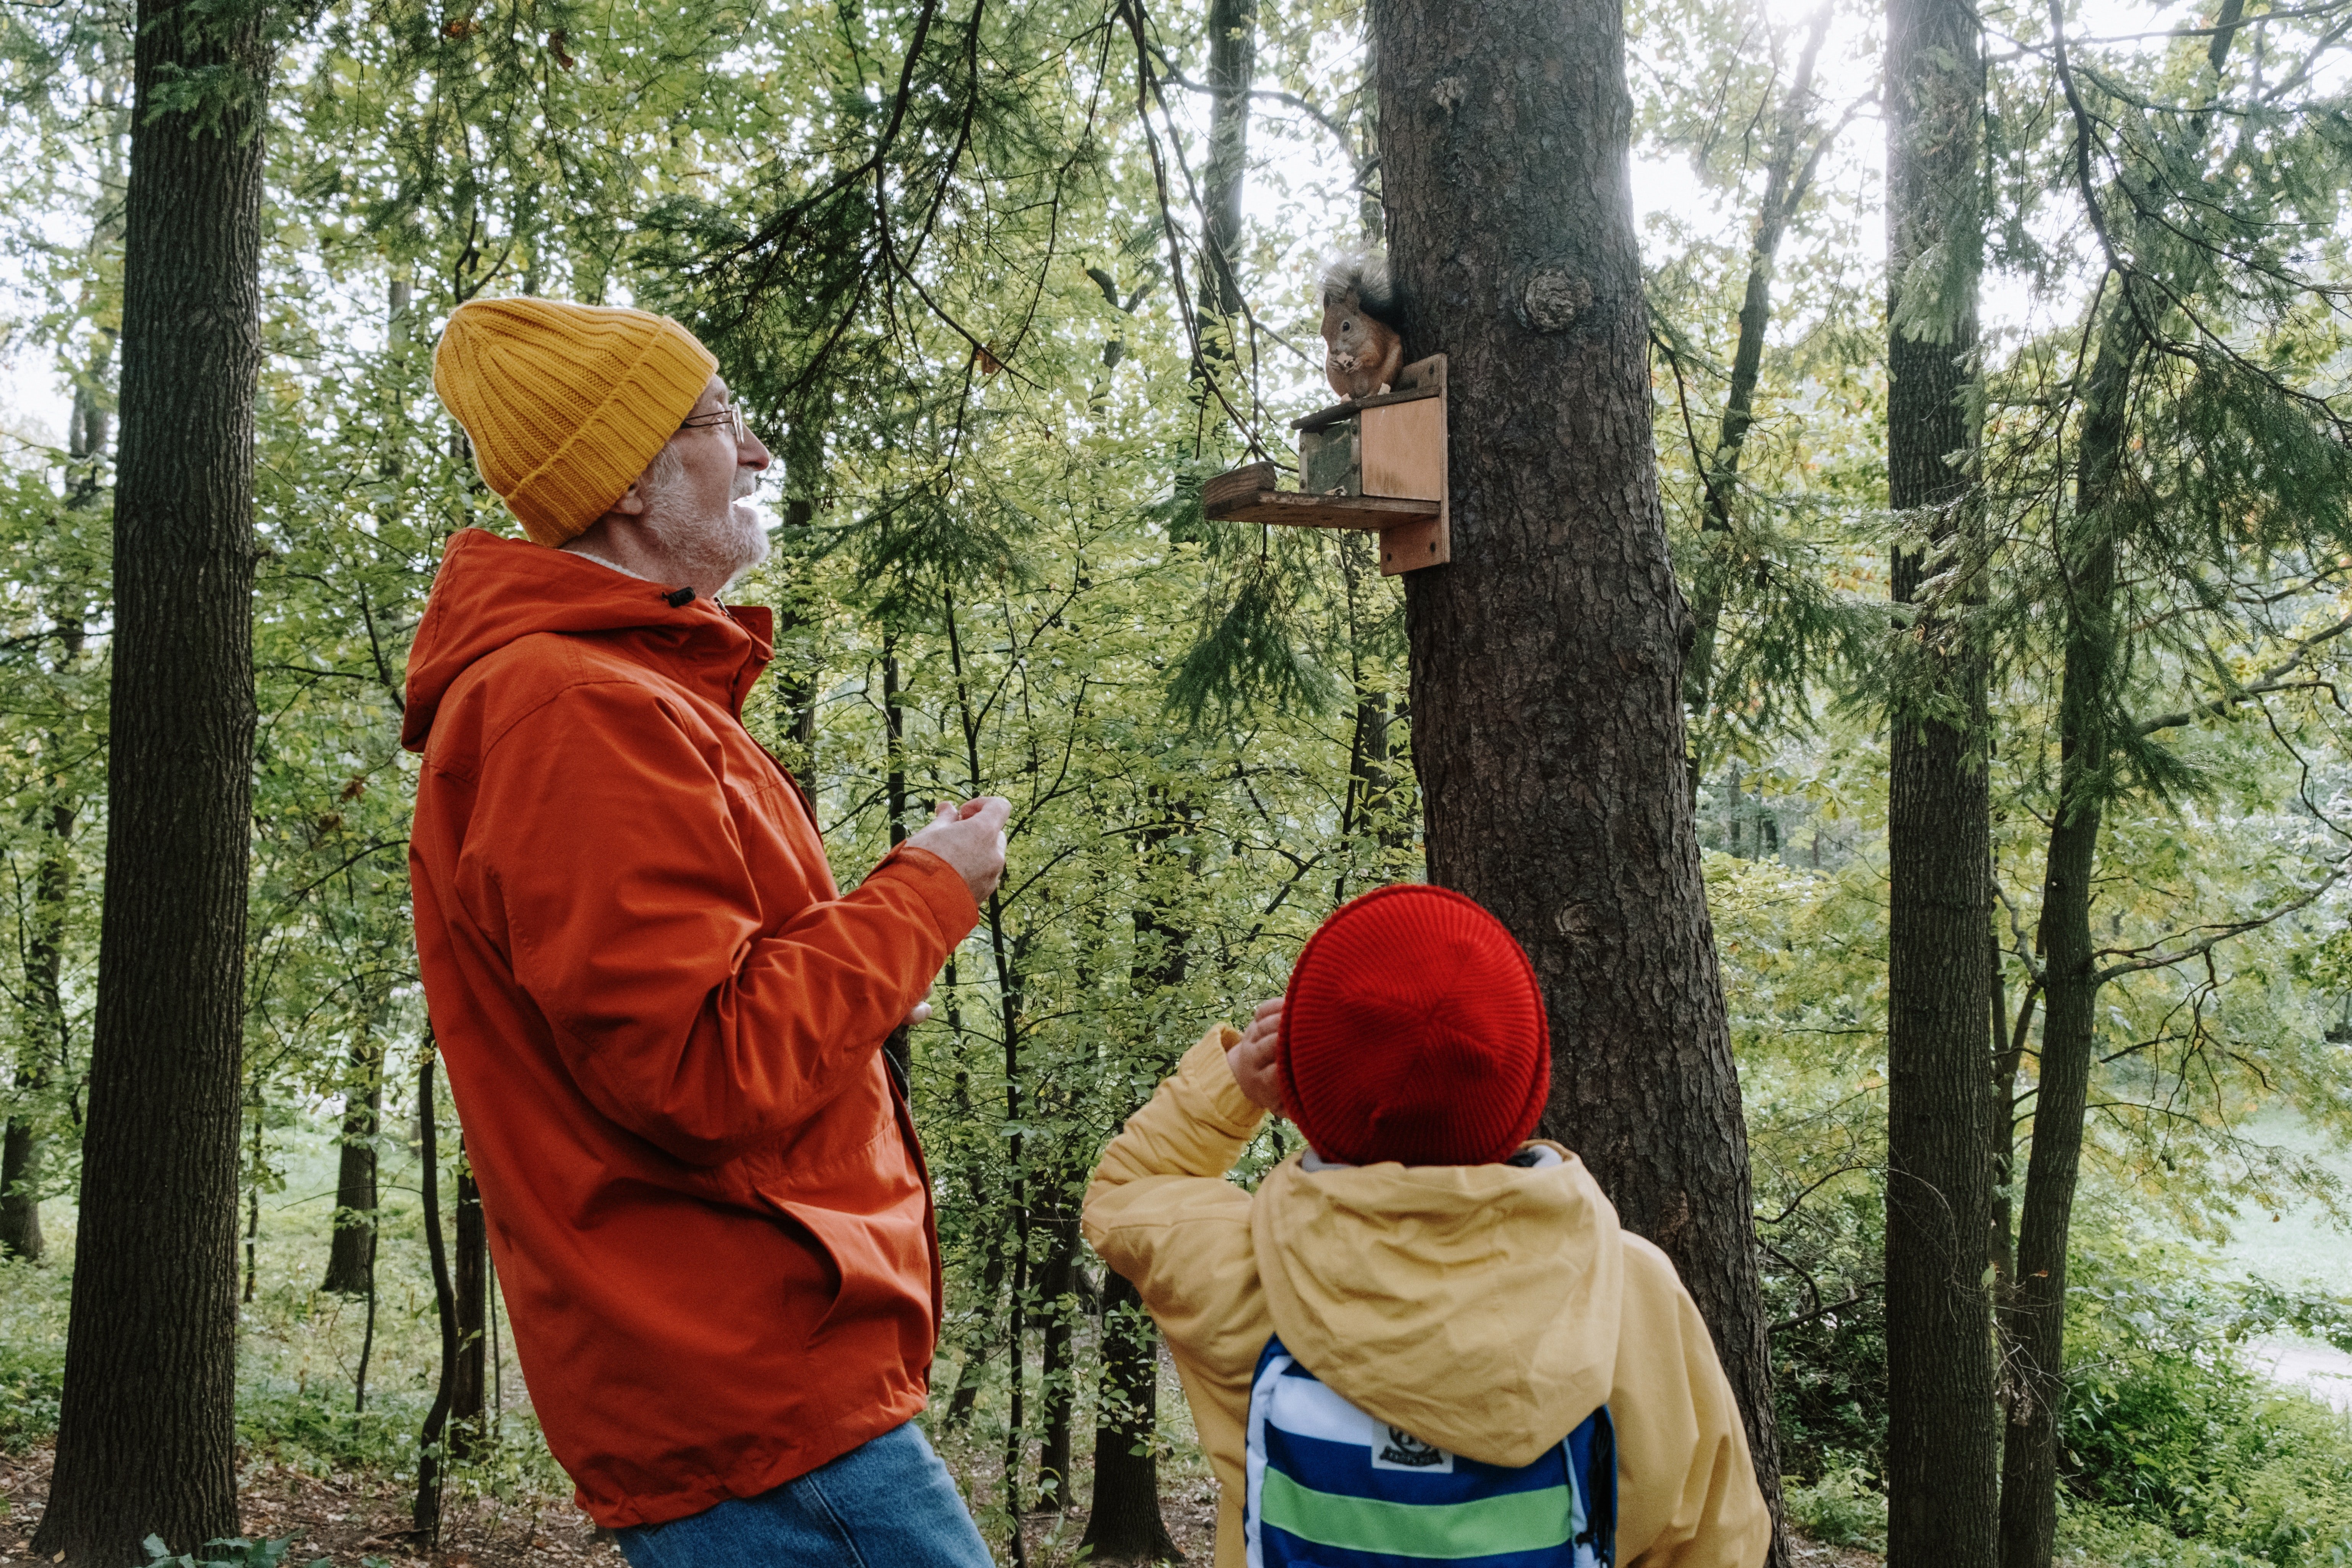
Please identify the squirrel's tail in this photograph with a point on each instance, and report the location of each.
(1364, 273)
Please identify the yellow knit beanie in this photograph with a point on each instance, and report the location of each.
(566, 403)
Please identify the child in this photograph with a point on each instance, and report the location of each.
(1420, 1338)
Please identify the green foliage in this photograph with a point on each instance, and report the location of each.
(2164, 1425)
(33, 1299)
(950, 266)
(1252, 653)
(233, 1552)
(1844, 1507)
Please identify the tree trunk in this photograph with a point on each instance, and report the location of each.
(146, 1441)
(470, 1291)
(1370, 807)
(1232, 61)
(46, 1042)
(351, 1250)
(1548, 724)
(1125, 1525)
(894, 742)
(2036, 1328)
(1786, 180)
(1943, 1468)
(899, 1044)
(1057, 1284)
(804, 485)
(2009, 1057)
(432, 1445)
(1009, 950)
(253, 1173)
(981, 1338)
(1017, 1316)
(977, 1337)
(20, 1176)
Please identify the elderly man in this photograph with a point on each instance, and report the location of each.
(663, 1022)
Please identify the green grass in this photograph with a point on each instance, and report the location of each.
(299, 1355)
(299, 1347)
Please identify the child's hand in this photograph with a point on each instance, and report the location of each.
(1252, 1060)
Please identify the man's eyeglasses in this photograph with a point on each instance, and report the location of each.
(729, 416)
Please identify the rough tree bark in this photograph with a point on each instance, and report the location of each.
(1547, 722)
(1125, 1524)
(146, 1442)
(350, 1249)
(1943, 1468)
(1232, 58)
(469, 1386)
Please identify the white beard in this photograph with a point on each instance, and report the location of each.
(724, 547)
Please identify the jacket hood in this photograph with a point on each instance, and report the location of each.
(1473, 1306)
(492, 591)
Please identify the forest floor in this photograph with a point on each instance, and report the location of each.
(333, 1481)
(350, 1519)
(355, 1521)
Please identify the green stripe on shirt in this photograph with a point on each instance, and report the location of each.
(1516, 1521)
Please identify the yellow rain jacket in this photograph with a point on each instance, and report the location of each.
(1486, 1309)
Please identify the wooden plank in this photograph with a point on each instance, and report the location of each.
(1404, 450)
(1376, 513)
(1415, 545)
(1242, 482)
(1405, 455)
(1350, 410)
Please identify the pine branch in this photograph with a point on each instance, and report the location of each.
(2270, 680)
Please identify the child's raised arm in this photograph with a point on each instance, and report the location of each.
(1162, 1212)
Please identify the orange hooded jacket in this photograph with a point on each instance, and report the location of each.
(662, 1024)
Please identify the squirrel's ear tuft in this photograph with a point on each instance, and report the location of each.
(1364, 274)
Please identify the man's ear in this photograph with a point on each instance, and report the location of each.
(631, 502)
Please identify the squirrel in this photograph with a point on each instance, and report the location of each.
(1363, 349)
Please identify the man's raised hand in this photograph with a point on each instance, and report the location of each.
(969, 838)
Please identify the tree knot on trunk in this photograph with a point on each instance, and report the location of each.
(1552, 295)
(1449, 92)
(1574, 921)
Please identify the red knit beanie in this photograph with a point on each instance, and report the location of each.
(1413, 1031)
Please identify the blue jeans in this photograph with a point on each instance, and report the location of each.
(886, 1503)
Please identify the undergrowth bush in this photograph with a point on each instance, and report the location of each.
(1828, 1364)
(33, 1299)
(2165, 1427)
(1844, 1507)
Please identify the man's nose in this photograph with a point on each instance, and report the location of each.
(752, 452)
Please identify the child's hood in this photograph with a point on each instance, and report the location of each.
(1475, 1307)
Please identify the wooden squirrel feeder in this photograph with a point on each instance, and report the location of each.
(1376, 463)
